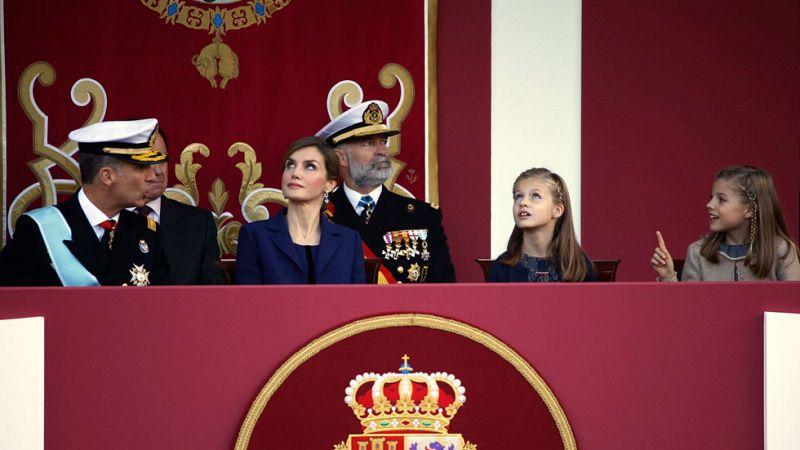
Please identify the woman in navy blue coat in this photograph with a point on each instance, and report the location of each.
(300, 245)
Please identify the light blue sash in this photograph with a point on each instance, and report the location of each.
(55, 230)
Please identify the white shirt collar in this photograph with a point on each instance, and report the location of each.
(354, 197)
(93, 214)
(155, 205)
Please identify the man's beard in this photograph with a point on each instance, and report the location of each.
(369, 174)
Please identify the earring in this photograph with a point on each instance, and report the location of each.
(325, 198)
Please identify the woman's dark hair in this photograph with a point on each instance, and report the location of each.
(328, 154)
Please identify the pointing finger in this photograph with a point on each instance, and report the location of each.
(661, 243)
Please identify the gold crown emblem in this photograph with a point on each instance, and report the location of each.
(373, 114)
(405, 401)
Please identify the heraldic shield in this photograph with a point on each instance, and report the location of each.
(400, 403)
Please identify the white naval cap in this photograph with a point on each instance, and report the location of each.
(129, 140)
(365, 119)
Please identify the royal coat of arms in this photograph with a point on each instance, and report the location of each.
(405, 410)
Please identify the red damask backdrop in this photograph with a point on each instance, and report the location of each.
(144, 65)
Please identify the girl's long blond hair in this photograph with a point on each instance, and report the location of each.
(767, 226)
(564, 249)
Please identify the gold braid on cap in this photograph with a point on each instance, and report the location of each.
(151, 156)
(141, 151)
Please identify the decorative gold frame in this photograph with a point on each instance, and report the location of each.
(431, 105)
(406, 320)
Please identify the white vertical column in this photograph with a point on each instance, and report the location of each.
(22, 383)
(536, 101)
(781, 375)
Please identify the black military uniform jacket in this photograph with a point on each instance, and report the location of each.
(189, 238)
(25, 262)
(393, 233)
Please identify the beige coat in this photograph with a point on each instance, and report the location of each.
(697, 268)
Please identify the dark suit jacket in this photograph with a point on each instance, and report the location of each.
(266, 255)
(189, 237)
(394, 212)
(25, 261)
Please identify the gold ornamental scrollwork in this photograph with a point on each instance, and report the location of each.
(252, 194)
(227, 234)
(186, 173)
(347, 92)
(250, 168)
(84, 92)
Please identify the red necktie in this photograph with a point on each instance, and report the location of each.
(109, 225)
(108, 237)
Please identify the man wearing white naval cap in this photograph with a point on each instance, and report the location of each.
(91, 239)
(405, 232)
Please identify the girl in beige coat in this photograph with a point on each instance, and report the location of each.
(747, 240)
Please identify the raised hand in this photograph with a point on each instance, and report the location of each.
(662, 260)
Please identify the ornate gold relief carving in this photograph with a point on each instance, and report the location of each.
(227, 234)
(186, 173)
(252, 194)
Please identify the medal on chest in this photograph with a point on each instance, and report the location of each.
(139, 276)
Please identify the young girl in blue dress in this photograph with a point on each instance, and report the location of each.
(748, 239)
(543, 246)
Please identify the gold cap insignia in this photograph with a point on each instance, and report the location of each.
(373, 114)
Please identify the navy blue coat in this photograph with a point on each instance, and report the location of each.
(266, 255)
(501, 273)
